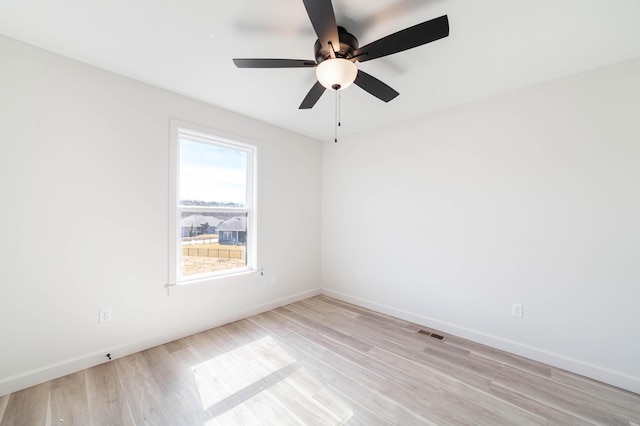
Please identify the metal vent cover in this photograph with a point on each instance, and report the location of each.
(430, 334)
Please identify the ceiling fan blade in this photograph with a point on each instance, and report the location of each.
(408, 38)
(273, 63)
(374, 86)
(323, 20)
(312, 97)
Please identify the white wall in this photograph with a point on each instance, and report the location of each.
(532, 197)
(84, 219)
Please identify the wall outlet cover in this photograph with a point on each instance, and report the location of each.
(105, 315)
(516, 310)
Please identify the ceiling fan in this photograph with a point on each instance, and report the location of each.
(337, 51)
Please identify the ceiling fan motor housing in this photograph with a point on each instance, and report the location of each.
(348, 45)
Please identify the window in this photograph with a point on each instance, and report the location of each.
(213, 219)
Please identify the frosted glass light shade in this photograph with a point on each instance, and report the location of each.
(336, 71)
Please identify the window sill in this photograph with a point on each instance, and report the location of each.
(210, 279)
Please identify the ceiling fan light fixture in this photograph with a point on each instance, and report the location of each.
(336, 73)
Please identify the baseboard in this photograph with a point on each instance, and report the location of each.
(601, 374)
(53, 371)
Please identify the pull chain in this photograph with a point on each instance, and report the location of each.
(337, 119)
(338, 113)
(339, 109)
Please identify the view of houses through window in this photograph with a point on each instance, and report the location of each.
(214, 205)
(213, 241)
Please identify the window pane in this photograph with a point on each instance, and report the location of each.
(212, 175)
(212, 241)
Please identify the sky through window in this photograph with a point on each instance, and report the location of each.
(212, 173)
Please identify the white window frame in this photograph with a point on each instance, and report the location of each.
(218, 138)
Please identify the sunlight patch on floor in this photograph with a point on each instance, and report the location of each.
(260, 383)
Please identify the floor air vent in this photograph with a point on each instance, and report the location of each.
(434, 335)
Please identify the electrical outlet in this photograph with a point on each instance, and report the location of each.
(360, 277)
(105, 315)
(516, 310)
(274, 279)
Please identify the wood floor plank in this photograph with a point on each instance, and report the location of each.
(361, 325)
(575, 402)
(552, 415)
(358, 383)
(143, 394)
(68, 401)
(418, 400)
(362, 416)
(105, 396)
(211, 343)
(444, 359)
(4, 400)
(319, 327)
(297, 394)
(176, 345)
(619, 398)
(469, 401)
(374, 316)
(262, 409)
(27, 407)
(176, 382)
(321, 361)
(506, 358)
(452, 364)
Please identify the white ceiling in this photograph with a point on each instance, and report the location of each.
(186, 46)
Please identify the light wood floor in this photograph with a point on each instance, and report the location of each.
(320, 362)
